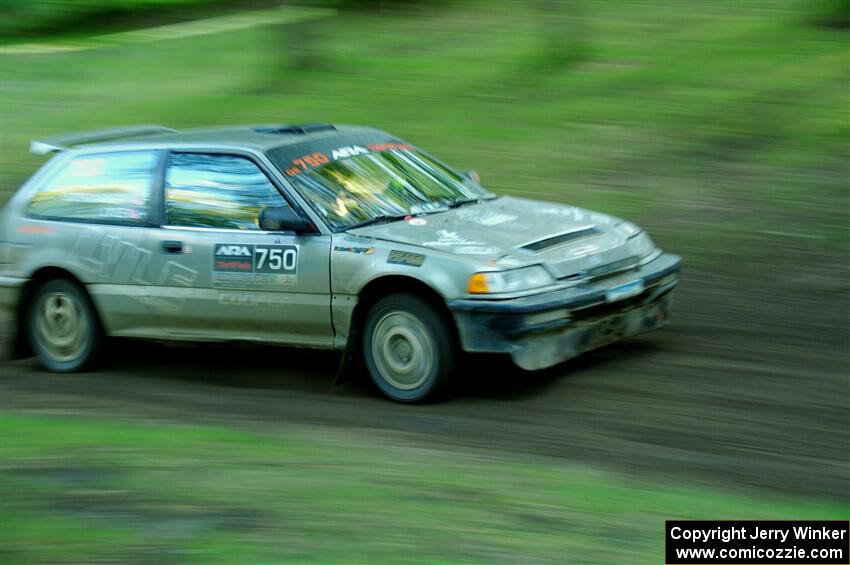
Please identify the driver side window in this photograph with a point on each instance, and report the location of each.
(216, 191)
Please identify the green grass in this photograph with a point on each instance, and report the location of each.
(88, 490)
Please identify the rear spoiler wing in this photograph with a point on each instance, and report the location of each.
(63, 142)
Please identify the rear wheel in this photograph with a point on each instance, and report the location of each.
(409, 349)
(62, 326)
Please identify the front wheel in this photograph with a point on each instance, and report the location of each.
(62, 326)
(409, 349)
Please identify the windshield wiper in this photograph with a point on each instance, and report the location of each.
(464, 201)
(383, 218)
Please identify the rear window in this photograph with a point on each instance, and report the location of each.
(104, 187)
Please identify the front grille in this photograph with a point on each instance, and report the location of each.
(614, 268)
(602, 309)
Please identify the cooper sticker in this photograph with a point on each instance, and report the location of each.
(404, 258)
(255, 259)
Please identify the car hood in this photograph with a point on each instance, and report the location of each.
(511, 232)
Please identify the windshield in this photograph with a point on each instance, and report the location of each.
(391, 183)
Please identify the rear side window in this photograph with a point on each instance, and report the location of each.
(216, 191)
(105, 187)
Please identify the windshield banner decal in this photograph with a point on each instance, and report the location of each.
(303, 157)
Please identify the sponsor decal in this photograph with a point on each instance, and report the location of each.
(34, 229)
(405, 258)
(564, 211)
(390, 146)
(233, 250)
(244, 299)
(240, 281)
(304, 163)
(350, 151)
(485, 217)
(355, 250)
(255, 259)
(475, 250)
(447, 238)
(234, 258)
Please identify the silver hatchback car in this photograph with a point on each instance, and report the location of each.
(313, 235)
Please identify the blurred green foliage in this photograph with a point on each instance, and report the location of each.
(836, 13)
(22, 17)
(681, 117)
(29, 17)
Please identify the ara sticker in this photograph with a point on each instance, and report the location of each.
(405, 258)
(255, 259)
(350, 151)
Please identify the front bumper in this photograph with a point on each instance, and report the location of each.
(546, 329)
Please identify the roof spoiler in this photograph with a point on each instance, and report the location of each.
(62, 142)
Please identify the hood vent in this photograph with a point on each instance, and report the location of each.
(296, 129)
(560, 239)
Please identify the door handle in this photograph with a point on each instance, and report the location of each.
(172, 247)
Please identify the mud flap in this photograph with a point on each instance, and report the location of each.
(350, 364)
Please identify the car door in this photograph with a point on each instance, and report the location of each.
(218, 275)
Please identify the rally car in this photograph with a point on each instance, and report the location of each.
(314, 235)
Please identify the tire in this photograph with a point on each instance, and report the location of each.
(409, 349)
(62, 326)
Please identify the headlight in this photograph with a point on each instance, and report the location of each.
(515, 280)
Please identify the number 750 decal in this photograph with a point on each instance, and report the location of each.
(241, 258)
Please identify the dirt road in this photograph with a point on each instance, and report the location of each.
(747, 388)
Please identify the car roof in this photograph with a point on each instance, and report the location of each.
(261, 137)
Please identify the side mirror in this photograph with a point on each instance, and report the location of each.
(283, 218)
(471, 176)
